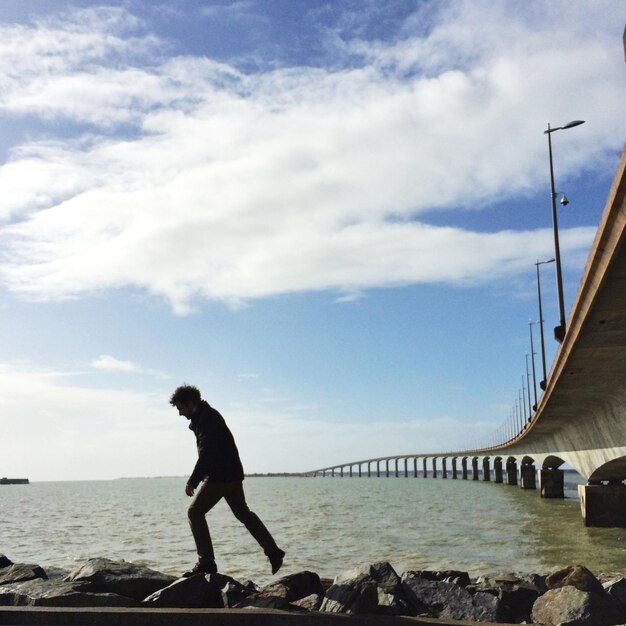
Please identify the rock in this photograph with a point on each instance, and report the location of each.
(310, 603)
(354, 596)
(100, 575)
(233, 592)
(195, 592)
(577, 576)
(616, 588)
(386, 578)
(568, 606)
(438, 598)
(5, 561)
(19, 572)
(301, 584)
(39, 592)
(449, 575)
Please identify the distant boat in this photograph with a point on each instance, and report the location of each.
(14, 481)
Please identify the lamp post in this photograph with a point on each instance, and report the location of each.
(530, 410)
(559, 331)
(532, 356)
(542, 383)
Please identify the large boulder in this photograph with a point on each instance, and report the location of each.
(577, 576)
(568, 606)
(5, 561)
(352, 595)
(283, 593)
(195, 592)
(100, 575)
(19, 572)
(39, 592)
(616, 589)
(439, 598)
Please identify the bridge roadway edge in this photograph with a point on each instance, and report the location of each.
(116, 616)
(581, 416)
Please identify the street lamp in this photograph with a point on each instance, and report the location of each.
(542, 383)
(559, 331)
(532, 356)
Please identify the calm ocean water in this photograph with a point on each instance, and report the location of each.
(325, 525)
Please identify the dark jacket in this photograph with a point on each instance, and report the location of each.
(218, 457)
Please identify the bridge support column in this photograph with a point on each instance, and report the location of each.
(341, 472)
(528, 476)
(369, 469)
(387, 468)
(415, 467)
(351, 471)
(397, 474)
(425, 469)
(454, 468)
(511, 472)
(464, 468)
(444, 469)
(435, 468)
(603, 505)
(486, 470)
(552, 483)
(474, 468)
(332, 472)
(406, 468)
(497, 471)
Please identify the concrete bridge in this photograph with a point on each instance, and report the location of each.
(580, 419)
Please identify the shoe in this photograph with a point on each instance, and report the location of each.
(276, 559)
(203, 566)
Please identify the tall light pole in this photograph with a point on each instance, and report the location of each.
(559, 331)
(532, 356)
(542, 383)
(530, 410)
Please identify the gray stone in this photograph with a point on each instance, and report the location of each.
(5, 561)
(438, 598)
(577, 576)
(300, 585)
(616, 588)
(100, 575)
(195, 592)
(39, 592)
(233, 592)
(386, 578)
(456, 577)
(353, 596)
(18, 572)
(310, 603)
(569, 606)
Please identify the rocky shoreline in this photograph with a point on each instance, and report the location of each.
(569, 596)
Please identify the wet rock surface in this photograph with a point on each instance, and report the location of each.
(571, 596)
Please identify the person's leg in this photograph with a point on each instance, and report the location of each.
(233, 492)
(206, 497)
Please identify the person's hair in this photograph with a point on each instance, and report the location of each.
(186, 394)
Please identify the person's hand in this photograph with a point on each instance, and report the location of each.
(189, 490)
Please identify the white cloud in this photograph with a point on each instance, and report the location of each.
(108, 363)
(244, 186)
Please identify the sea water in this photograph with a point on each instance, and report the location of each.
(326, 525)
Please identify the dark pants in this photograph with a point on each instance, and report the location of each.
(206, 497)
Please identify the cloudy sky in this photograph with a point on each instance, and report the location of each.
(324, 214)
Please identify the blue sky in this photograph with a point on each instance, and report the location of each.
(324, 214)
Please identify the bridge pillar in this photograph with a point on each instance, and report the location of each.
(454, 468)
(369, 469)
(486, 470)
(351, 471)
(552, 483)
(435, 467)
(497, 470)
(387, 468)
(332, 472)
(397, 474)
(528, 476)
(377, 469)
(511, 472)
(360, 473)
(341, 472)
(425, 472)
(415, 467)
(475, 468)
(603, 505)
(464, 468)
(444, 469)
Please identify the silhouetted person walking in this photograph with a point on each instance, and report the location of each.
(219, 473)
